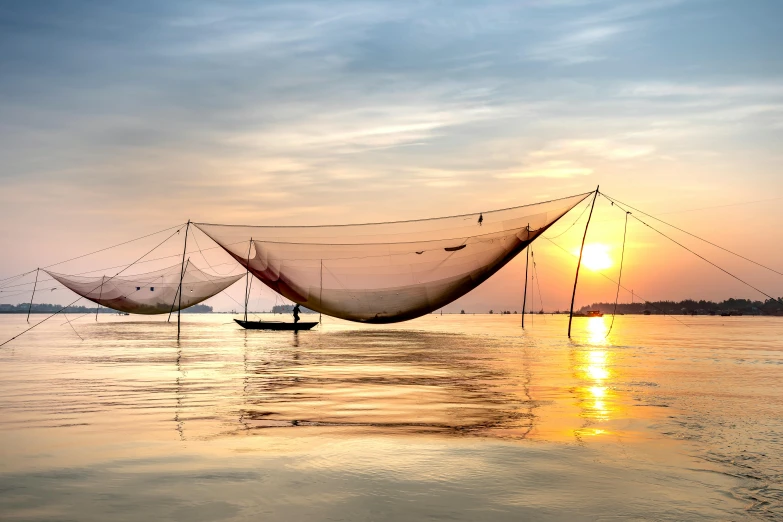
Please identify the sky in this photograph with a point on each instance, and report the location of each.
(118, 119)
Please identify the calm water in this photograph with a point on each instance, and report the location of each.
(446, 417)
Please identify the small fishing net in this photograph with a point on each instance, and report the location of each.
(150, 293)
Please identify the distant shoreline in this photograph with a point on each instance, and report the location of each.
(738, 307)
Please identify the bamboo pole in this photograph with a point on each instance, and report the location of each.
(35, 285)
(527, 262)
(181, 277)
(579, 263)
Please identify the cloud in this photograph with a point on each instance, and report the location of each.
(560, 169)
(577, 47)
(605, 148)
(671, 89)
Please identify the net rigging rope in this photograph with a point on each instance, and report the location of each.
(211, 267)
(470, 215)
(695, 253)
(80, 297)
(538, 281)
(620, 276)
(574, 223)
(694, 235)
(98, 251)
(234, 267)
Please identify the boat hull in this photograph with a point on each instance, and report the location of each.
(275, 325)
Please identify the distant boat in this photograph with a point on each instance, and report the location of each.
(589, 313)
(275, 325)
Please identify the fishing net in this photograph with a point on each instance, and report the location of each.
(386, 272)
(150, 293)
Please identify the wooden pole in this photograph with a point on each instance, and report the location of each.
(321, 294)
(579, 263)
(181, 277)
(527, 262)
(247, 275)
(35, 285)
(99, 298)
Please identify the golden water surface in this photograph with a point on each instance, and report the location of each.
(462, 417)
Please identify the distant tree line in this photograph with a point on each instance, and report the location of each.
(693, 307)
(288, 309)
(45, 308)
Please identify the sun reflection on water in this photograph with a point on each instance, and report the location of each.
(597, 329)
(593, 366)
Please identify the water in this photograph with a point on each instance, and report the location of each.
(446, 417)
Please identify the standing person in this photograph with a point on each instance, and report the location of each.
(296, 313)
(481, 219)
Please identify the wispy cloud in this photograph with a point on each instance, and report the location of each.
(556, 169)
(606, 148)
(579, 47)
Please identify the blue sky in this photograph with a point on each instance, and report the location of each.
(118, 118)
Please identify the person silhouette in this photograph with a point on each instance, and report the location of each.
(481, 219)
(296, 313)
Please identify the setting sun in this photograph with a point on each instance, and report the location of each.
(596, 256)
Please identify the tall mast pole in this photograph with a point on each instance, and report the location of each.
(527, 262)
(247, 275)
(579, 263)
(181, 277)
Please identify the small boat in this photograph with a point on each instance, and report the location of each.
(275, 325)
(589, 313)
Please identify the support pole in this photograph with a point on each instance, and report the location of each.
(321, 294)
(247, 275)
(30, 308)
(579, 263)
(527, 262)
(181, 277)
(99, 298)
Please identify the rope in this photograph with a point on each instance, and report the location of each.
(119, 266)
(696, 254)
(694, 235)
(619, 277)
(80, 297)
(572, 224)
(200, 251)
(72, 328)
(407, 220)
(538, 281)
(97, 251)
(11, 279)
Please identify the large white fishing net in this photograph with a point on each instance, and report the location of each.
(386, 272)
(150, 293)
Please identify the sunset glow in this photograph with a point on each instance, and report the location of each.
(596, 257)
